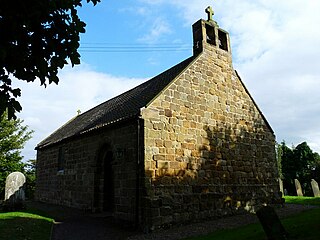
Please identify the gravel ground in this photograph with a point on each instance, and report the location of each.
(72, 224)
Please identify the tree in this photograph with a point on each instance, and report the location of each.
(304, 160)
(13, 136)
(300, 163)
(36, 39)
(30, 173)
(287, 167)
(316, 168)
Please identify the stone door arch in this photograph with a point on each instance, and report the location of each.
(104, 181)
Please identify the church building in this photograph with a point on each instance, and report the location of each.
(187, 145)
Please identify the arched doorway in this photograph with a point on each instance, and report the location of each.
(104, 181)
(108, 183)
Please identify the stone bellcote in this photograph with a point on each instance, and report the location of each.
(207, 33)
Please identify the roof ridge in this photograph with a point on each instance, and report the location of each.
(120, 107)
(136, 87)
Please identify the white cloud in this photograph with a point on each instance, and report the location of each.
(80, 88)
(137, 10)
(158, 29)
(275, 47)
(189, 10)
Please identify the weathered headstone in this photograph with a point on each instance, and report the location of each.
(281, 186)
(298, 187)
(315, 188)
(271, 224)
(14, 191)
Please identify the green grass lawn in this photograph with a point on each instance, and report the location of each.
(35, 225)
(25, 226)
(304, 226)
(303, 200)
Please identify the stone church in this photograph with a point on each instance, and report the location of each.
(187, 145)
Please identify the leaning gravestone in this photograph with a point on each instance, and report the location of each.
(271, 224)
(298, 187)
(315, 188)
(14, 191)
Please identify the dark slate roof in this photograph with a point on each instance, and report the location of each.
(119, 108)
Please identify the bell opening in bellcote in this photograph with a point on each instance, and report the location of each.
(208, 32)
(223, 39)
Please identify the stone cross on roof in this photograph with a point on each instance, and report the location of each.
(210, 13)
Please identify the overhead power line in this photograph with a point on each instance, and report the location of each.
(111, 47)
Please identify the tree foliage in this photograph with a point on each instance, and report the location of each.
(13, 136)
(36, 39)
(300, 163)
(30, 173)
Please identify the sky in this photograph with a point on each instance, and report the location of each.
(275, 48)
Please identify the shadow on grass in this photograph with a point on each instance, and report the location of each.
(22, 225)
(305, 225)
(248, 232)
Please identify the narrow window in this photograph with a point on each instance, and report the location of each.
(210, 35)
(223, 42)
(61, 159)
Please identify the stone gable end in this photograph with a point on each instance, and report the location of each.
(208, 148)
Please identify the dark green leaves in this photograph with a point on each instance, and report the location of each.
(93, 1)
(37, 38)
(7, 98)
(299, 162)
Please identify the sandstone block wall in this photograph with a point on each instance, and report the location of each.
(77, 185)
(208, 149)
(205, 147)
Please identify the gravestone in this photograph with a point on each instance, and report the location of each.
(271, 224)
(14, 191)
(315, 188)
(281, 186)
(298, 187)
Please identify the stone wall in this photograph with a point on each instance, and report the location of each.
(81, 182)
(208, 149)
